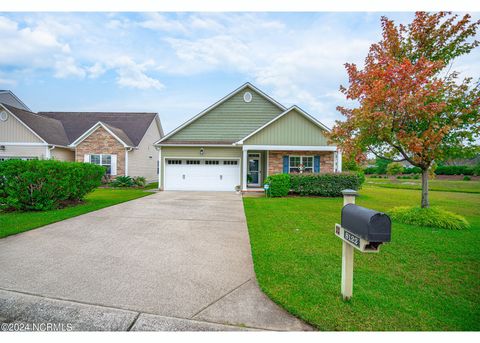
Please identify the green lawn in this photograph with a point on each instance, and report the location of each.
(15, 222)
(423, 280)
(434, 185)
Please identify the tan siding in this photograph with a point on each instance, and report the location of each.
(24, 151)
(13, 130)
(209, 152)
(143, 161)
(231, 120)
(62, 154)
(292, 129)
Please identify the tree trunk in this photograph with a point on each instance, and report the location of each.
(425, 201)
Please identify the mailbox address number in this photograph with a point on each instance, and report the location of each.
(351, 238)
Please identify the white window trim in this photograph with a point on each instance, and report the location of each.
(103, 165)
(301, 162)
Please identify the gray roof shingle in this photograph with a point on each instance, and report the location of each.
(51, 130)
(129, 127)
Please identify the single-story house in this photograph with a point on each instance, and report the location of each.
(122, 142)
(240, 140)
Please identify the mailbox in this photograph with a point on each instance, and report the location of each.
(363, 228)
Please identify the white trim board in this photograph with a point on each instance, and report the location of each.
(219, 102)
(290, 147)
(28, 127)
(295, 107)
(197, 145)
(92, 130)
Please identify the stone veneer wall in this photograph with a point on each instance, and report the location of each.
(275, 160)
(101, 142)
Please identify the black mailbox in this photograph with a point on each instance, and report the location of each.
(370, 225)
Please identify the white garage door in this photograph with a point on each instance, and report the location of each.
(201, 174)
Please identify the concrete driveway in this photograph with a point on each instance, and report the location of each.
(169, 261)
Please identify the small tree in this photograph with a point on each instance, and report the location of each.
(411, 106)
(394, 168)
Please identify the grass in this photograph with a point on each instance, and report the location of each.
(424, 279)
(434, 185)
(12, 223)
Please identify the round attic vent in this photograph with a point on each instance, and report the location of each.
(3, 116)
(247, 97)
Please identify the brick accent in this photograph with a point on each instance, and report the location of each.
(101, 142)
(275, 160)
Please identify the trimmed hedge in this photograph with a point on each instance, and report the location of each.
(279, 185)
(454, 170)
(46, 184)
(412, 170)
(324, 184)
(370, 170)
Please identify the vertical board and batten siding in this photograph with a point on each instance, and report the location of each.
(291, 129)
(12, 130)
(231, 120)
(143, 161)
(194, 152)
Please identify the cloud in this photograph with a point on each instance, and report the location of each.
(157, 21)
(67, 67)
(131, 74)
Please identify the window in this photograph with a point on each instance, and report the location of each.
(230, 162)
(299, 164)
(102, 160)
(174, 161)
(193, 161)
(211, 162)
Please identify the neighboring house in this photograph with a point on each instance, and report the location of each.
(242, 139)
(7, 97)
(122, 142)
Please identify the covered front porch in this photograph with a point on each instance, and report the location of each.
(260, 161)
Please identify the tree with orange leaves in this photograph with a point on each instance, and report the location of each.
(411, 105)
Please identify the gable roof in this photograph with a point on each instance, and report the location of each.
(214, 106)
(117, 133)
(49, 130)
(294, 107)
(129, 127)
(7, 97)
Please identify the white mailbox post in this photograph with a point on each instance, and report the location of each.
(347, 252)
(362, 229)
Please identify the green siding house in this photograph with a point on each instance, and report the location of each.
(239, 141)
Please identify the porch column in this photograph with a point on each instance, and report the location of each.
(339, 161)
(159, 168)
(244, 168)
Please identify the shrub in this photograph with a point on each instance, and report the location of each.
(122, 181)
(399, 177)
(476, 169)
(466, 178)
(381, 165)
(370, 170)
(416, 176)
(328, 184)
(455, 170)
(140, 181)
(394, 168)
(428, 217)
(412, 170)
(46, 184)
(279, 185)
(373, 176)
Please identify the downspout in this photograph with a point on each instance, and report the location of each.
(48, 154)
(126, 160)
(159, 149)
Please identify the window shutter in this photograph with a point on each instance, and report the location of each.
(316, 164)
(113, 161)
(86, 158)
(285, 164)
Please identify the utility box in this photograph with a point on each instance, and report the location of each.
(363, 228)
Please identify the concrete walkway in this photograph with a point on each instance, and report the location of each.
(169, 261)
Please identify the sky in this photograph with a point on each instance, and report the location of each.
(177, 64)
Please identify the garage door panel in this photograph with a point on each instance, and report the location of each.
(202, 177)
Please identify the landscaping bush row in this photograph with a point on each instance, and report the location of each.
(46, 184)
(457, 170)
(324, 184)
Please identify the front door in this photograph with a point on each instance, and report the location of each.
(254, 170)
